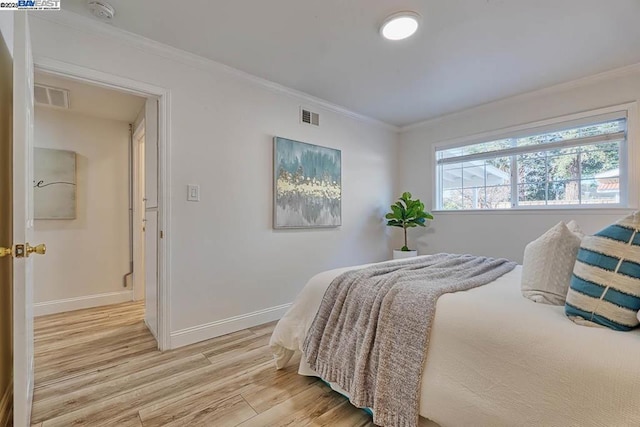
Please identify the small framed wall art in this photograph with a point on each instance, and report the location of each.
(54, 184)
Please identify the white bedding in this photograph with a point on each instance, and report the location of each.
(498, 359)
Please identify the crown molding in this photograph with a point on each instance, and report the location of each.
(84, 24)
(560, 87)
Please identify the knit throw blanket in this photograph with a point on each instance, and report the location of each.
(371, 332)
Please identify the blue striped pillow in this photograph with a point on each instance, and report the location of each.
(605, 285)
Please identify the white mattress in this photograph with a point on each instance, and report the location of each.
(498, 359)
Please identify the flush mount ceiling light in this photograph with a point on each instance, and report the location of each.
(400, 25)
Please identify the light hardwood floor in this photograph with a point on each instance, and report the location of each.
(100, 367)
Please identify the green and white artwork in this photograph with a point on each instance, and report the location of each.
(54, 185)
(307, 185)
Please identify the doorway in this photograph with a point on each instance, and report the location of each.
(16, 251)
(116, 205)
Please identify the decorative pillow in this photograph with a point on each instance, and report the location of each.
(547, 265)
(605, 286)
(575, 228)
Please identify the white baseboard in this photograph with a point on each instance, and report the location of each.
(6, 404)
(226, 326)
(70, 304)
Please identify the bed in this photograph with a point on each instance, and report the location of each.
(498, 359)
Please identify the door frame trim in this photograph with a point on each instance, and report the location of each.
(140, 88)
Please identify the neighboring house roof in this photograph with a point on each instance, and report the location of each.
(610, 187)
(608, 181)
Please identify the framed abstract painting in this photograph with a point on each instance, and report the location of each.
(307, 185)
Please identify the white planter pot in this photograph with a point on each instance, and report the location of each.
(404, 254)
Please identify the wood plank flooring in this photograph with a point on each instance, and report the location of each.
(100, 367)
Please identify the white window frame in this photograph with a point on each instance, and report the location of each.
(629, 163)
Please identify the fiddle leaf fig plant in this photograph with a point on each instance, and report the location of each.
(407, 213)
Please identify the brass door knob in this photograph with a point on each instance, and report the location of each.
(40, 249)
(6, 252)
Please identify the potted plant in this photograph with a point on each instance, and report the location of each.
(407, 213)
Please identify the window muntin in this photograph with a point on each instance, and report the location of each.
(562, 168)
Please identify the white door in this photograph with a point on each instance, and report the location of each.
(22, 222)
(151, 214)
(138, 214)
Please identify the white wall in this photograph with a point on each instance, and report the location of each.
(6, 28)
(86, 257)
(226, 260)
(506, 233)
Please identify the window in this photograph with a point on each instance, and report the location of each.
(577, 163)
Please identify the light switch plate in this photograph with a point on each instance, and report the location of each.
(193, 193)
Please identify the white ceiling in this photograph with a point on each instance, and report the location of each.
(95, 101)
(468, 52)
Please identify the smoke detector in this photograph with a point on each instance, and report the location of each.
(101, 9)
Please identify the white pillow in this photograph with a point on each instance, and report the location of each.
(575, 228)
(548, 265)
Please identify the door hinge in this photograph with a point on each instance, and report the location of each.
(161, 234)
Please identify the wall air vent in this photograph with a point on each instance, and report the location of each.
(309, 117)
(51, 96)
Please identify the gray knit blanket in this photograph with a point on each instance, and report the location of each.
(371, 332)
